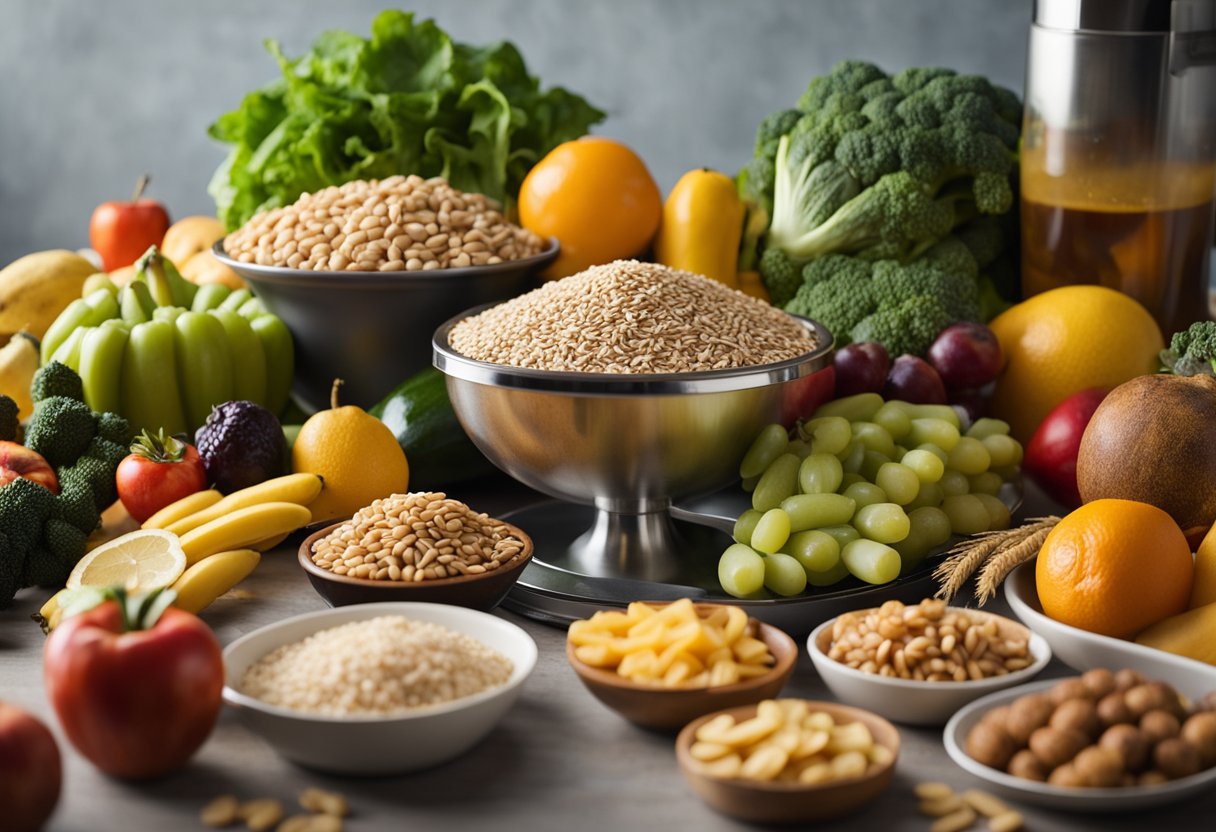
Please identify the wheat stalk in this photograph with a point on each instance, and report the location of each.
(966, 556)
(1005, 561)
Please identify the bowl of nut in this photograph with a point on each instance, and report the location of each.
(1101, 742)
(363, 273)
(420, 546)
(788, 760)
(661, 665)
(918, 664)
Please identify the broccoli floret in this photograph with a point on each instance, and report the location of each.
(9, 421)
(114, 428)
(984, 238)
(111, 453)
(50, 564)
(957, 293)
(1192, 351)
(60, 429)
(951, 255)
(825, 268)
(909, 327)
(56, 379)
(24, 505)
(772, 128)
(76, 503)
(839, 302)
(780, 275)
(94, 474)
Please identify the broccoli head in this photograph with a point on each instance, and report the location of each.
(94, 474)
(1192, 351)
(780, 275)
(24, 505)
(50, 563)
(76, 504)
(10, 423)
(909, 327)
(60, 429)
(839, 302)
(114, 428)
(956, 292)
(824, 268)
(56, 379)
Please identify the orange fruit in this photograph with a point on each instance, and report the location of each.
(1114, 567)
(1066, 340)
(596, 197)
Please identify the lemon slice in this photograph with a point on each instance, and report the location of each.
(140, 561)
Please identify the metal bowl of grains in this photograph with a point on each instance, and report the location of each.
(377, 689)
(627, 387)
(457, 556)
(363, 273)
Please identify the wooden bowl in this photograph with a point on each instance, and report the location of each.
(774, 802)
(479, 592)
(672, 708)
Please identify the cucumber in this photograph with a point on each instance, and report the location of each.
(420, 415)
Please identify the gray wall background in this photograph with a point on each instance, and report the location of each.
(95, 92)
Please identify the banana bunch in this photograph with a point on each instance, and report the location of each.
(162, 351)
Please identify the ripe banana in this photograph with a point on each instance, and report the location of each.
(101, 356)
(34, 289)
(184, 507)
(300, 489)
(211, 577)
(204, 361)
(249, 363)
(242, 527)
(18, 363)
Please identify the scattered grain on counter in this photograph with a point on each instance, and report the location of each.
(403, 223)
(632, 317)
(416, 537)
(378, 667)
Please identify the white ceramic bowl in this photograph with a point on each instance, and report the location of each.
(909, 701)
(1084, 650)
(1059, 797)
(379, 745)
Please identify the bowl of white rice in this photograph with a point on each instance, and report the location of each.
(377, 689)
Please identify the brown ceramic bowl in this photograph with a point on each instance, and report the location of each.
(479, 592)
(774, 802)
(672, 708)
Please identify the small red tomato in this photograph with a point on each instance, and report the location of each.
(122, 231)
(137, 686)
(160, 470)
(31, 771)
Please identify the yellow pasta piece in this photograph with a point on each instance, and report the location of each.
(749, 671)
(736, 625)
(597, 655)
(723, 673)
(749, 648)
(715, 730)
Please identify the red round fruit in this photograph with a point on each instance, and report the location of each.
(19, 461)
(861, 368)
(122, 231)
(1051, 455)
(160, 470)
(966, 355)
(912, 380)
(31, 770)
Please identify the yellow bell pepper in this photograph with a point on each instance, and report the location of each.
(702, 226)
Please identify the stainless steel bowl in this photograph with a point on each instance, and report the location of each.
(627, 444)
(373, 329)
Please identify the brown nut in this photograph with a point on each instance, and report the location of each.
(1079, 715)
(1130, 743)
(1069, 689)
(1056, 746)
(1176, 758)
(1200, 731)
(1126, 679)
(989, 743)
(1113, 710)
(1159, 725)
(1099, 767)
(1067, 776)
(1207, 703)
(1152, 696)
(1100, 681)
(1027, 766)
(1026, 715)
(1151, 778)
(997, 716)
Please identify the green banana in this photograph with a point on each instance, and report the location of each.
(69, 351)
(135, 303)
(91, 310)
(280, 359)
(101, 359)
(165, 282)
(209, 297)
(251, 308)
(248, 358)
(149, 388)
(236, 299)
(101, 280)
(204, 363)
(167, 313)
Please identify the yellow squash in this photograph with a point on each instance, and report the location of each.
(702, 226)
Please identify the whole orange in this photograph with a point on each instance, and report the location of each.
(1114, 567)
(1065, 340)
(596, 196)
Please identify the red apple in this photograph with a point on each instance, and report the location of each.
(19, 461)
(1051, 455)
(31, 771)
(122, 231)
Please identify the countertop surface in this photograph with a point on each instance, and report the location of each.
(558, 761)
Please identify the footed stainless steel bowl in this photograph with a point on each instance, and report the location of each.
(627, 444)
(373, 329)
